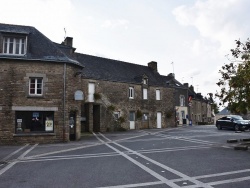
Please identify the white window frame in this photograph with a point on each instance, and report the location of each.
(145, 81)
(19, 43)
(91, 91)
(158, 94)
(145, 93)
(117, 114)
(36, 88)
(131, 93)
(182, 100)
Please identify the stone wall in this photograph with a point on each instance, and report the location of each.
(117, 95)
(14, 94)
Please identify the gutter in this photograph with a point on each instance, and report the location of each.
(64, 99)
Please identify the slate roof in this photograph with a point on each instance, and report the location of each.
(118, 71)
(39, 47)
(225, 111)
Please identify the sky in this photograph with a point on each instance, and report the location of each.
(190, 38)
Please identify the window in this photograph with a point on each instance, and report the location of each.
(91, 92)
(117, 115)
(182, 100)
(145, 93)
(131, 92)
(145, 81)
(34, 121)
(158, 94)
(36, 86)
(145, 117)
(16, 46)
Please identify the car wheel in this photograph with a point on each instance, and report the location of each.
(237, 127)
(219, 127)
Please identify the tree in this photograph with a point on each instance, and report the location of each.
(214, 105)
(215, 108)
(235, 82)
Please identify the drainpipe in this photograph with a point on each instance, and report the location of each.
(64, 98)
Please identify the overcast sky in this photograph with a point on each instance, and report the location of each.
(196, 35)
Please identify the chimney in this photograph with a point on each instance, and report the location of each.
(68, 41)
(171, 75)
(191, 88)
(186, 85)
(153, 65)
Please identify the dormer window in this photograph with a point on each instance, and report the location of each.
(182, 100)
(14, 45)
(145, 81)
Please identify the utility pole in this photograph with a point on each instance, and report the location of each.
(173, 66)
(197, 87)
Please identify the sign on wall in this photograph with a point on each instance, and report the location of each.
(79, 95)
(49, 125)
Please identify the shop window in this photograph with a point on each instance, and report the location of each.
(34, 121)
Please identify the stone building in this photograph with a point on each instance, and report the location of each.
(49, 93)
(180, 100)
(200, 107)
(135, 94)
(37, 86)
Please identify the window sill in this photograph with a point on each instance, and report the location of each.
(36, 96)
(18, 55)
(33, 134)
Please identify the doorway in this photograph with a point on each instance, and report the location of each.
(96, 118)
(158, 120)
(132, 120)
(72, 126)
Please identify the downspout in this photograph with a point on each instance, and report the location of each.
(64, 99)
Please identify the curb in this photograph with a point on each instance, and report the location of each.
(241, 147)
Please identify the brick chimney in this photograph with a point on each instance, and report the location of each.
(68, 41)
(153, 65)
(185, 85)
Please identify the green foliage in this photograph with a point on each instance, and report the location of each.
(235, 78)
(215, 108)
(121, 129)
(97, 96)
(138, 114)
(111, 108)
(121, 119)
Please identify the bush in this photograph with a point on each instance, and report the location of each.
(97, 96)
(202, 123)
(111, 108)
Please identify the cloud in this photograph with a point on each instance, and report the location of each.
(216, 20)
(112, 24)
(48, 16)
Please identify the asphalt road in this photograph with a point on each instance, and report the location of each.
(190, 157)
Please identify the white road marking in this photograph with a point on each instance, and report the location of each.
(135, 185)
(16, 161)
(229, 181)
(62, 151)
(222, 174)
(162, 166)
(153, 173)
(13, 153)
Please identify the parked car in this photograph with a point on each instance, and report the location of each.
(233, 122)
